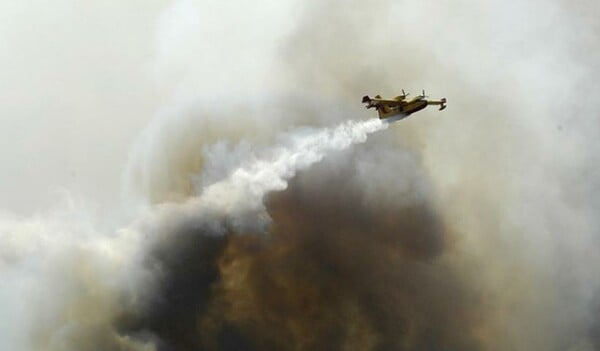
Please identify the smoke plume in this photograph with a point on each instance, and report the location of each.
(264, 209)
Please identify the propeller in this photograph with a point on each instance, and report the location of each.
(423, 95)
(404, 94)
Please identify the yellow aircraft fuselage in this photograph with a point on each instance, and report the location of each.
(399, 106)
(386, 111)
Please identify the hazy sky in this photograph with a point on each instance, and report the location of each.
(76, 87)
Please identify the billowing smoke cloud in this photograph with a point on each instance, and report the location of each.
(471, 229)
(342, 272)
(339, 268)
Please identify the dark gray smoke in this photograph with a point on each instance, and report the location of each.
(340, 272)
(337, 270)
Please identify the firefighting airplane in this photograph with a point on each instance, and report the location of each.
(399, 106)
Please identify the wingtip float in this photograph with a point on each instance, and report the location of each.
(399, 106)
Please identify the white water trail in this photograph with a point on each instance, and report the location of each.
(243, 191)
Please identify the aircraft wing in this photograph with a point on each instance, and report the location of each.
(378, 101)
(388, 102)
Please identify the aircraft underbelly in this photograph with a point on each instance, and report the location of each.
(414, 108)
(391, 113)
(396, 115)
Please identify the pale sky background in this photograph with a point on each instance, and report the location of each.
(76, 87)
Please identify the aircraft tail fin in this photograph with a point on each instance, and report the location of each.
(443, 104)
(367, 100)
